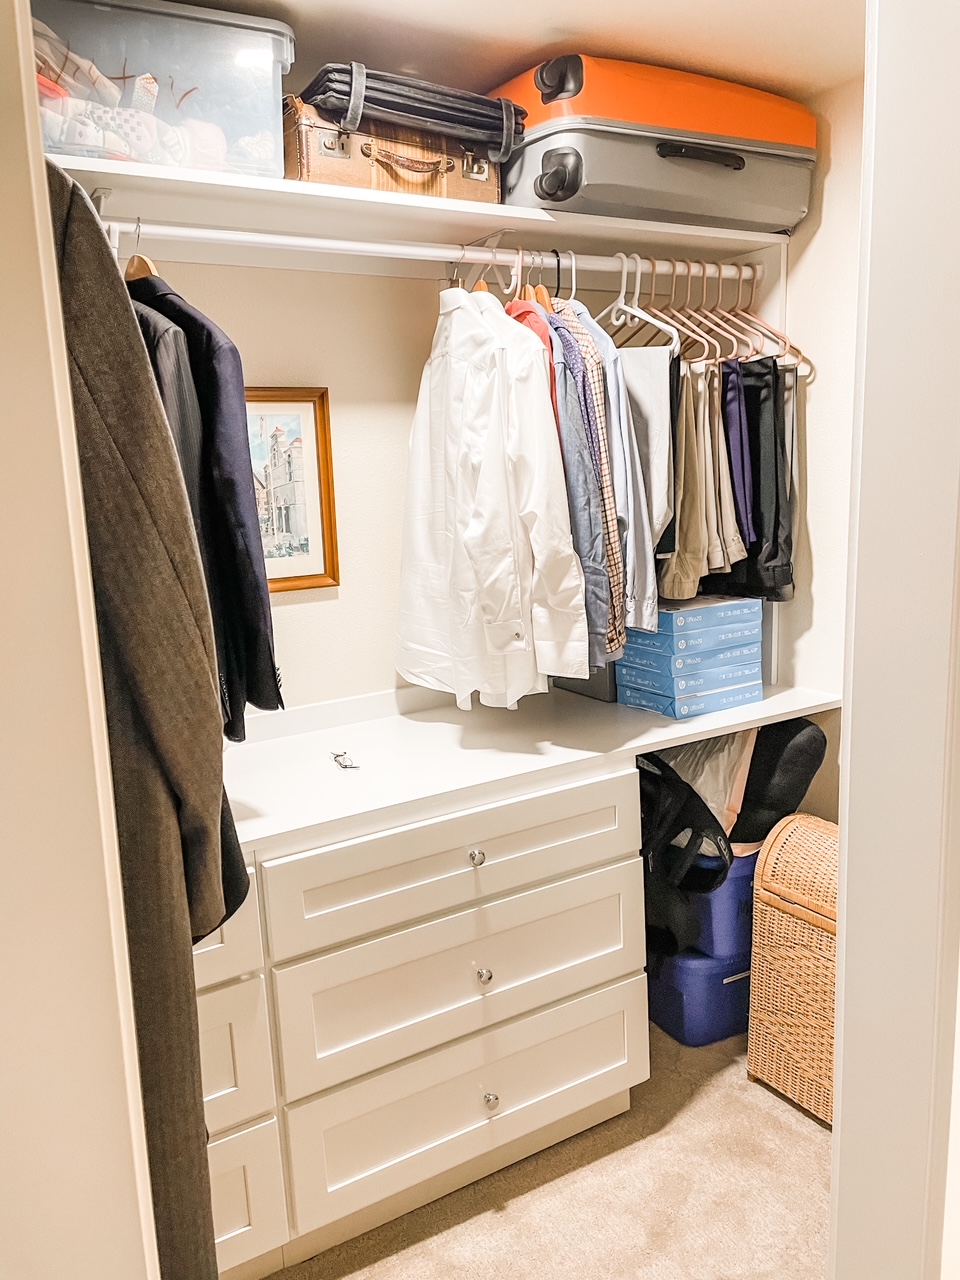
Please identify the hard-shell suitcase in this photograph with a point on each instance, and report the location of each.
(384, 157)
(629, 140)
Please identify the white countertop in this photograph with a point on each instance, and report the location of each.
(285, 782)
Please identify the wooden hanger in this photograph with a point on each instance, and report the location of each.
(541, 293)
(139, 266)
(526, 293)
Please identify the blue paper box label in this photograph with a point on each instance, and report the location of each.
(669, 665)
(678, 643)
(706, 612)
(690, 684)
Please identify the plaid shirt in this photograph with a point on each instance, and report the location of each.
(596, 419)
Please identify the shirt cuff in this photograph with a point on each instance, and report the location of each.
(505, 637)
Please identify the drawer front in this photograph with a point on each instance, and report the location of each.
(235, 948)
(357, 1145)
(246, 1185)
(348, 1012)
(324, 897)
(235, 1060)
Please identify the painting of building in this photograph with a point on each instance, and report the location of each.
(276, 447)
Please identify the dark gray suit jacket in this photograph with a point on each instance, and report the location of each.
(163, 710)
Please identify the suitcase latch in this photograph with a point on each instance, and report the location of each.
(476, 168)
(335, 143)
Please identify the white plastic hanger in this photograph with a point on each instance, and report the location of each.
(631, 315)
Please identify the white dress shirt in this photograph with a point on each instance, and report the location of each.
(491, 592)
(647, 374)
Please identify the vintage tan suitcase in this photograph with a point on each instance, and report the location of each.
(383, 158)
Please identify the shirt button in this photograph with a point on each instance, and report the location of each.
(517, 635)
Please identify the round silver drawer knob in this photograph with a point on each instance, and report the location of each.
(491, 1100)
(477, 857)
(484, 976)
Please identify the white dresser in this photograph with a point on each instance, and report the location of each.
(438, 971)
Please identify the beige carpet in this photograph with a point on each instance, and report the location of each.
(707, 1177)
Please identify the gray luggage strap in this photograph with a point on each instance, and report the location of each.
(509, 123)
(358, 91)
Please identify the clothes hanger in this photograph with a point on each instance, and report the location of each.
(620, 300)
(671, 315)
(649, 315)
(456, 280)
(526, 293)
(785, 346)
(694, 320)
(138, 266)
(541, 293)
(624, 313)
(706, 317)
(573, 276)
(516, 277)
(737, 321)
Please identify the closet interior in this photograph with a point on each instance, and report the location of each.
(439, 968)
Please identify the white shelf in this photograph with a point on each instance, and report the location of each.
(278, 206)
(289, 783)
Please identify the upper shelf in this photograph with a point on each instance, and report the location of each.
(280, 207)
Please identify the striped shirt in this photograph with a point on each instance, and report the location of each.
(589, 373)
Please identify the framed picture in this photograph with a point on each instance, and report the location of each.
(289, 433)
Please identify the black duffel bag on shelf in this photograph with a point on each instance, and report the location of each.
(348, 92)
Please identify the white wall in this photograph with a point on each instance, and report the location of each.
(366, 338)
(822, 320)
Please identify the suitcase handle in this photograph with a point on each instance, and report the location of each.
(441, 165)
(709, 155)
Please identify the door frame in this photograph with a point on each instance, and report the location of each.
(74, 1179)
(900, 758)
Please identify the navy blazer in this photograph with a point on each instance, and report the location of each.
(230, 525)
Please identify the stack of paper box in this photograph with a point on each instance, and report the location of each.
(705, 656)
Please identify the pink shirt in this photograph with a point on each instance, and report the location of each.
(527, 314)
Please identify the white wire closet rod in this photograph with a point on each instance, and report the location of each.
(447, 254)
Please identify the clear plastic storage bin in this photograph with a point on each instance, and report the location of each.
(152, 82)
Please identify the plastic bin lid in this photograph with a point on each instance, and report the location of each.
(219, 17)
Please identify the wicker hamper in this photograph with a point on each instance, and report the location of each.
(793, 972)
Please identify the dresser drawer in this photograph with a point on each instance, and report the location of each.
(246, 1186)
(357, 1145)
(327, 896)
(233, 949)
(236, 1066)
(352, 1011)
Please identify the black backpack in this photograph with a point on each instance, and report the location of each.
(685, 850)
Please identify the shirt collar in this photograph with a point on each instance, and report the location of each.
(518, 307)
(452, 298)
(148, 287)
(486, 301)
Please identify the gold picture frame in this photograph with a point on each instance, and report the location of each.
(288, 430)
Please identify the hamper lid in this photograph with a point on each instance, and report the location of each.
(797, 870)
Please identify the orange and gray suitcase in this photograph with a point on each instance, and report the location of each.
(633, 141)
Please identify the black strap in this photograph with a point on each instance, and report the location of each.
(358, 90)
(506, 142)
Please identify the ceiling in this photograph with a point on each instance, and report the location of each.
(795, 47)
